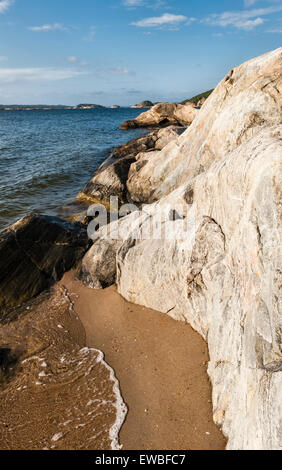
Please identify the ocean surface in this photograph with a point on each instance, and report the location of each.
(46, 157)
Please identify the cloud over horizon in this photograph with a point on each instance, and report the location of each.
(63, 50)
(74, 60)
(133, 3)
(9, 75)
(154, 5)
(121, 71)
(167, 19)
(245, 19)
(48, 27)
(242, 19)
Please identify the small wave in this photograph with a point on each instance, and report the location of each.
(120, 405)
(62, 395)
(47, 157)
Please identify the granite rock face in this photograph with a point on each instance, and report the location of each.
(219, 265)
(247, 100)
(224, 278)
(163, 115)
(34, 253)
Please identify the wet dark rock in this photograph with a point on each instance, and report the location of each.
(8, 361)
(98, 269)
(34, 253)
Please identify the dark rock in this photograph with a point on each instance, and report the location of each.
(98, 268)
(111, 177)
(141, 144)
(132, 124)
(5, 357)
(8, 361)
(34, 253)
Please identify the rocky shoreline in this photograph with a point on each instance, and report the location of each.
(222, 275)
(164, 115)
(113, 177)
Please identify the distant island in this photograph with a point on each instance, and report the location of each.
(42, 107)
(143, 104)
(197, 100)
(29, 107)
(88, 106)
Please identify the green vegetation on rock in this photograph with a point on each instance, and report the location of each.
(196, 98)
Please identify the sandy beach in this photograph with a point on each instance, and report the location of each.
(161, 366)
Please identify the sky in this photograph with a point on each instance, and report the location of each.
(125, 51)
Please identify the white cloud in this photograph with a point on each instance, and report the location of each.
(166, 19)
(5, 5)
(75, 60)
(275, 30)
(72, 59)
(121, 71)
(37, 74)
(2, 58)
(91, 34)
(133, 3)
(156, 4)
(249, 3)
(49, 27)
(246, 19)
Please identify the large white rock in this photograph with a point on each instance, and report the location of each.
(220, 265)
(246, 100)
(226, 282)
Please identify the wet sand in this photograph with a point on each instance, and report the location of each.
(161, 366)
(54, 392)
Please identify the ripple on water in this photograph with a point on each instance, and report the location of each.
(46, 157)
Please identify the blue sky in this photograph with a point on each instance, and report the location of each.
(124, 51)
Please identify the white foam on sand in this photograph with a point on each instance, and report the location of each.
(119, 403)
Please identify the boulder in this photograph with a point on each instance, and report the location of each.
(98, 267)
(201, 102)
(215, 260)
(108, 181)
(34, 253)
(111, 177)
(185, 114)
(163, 115)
